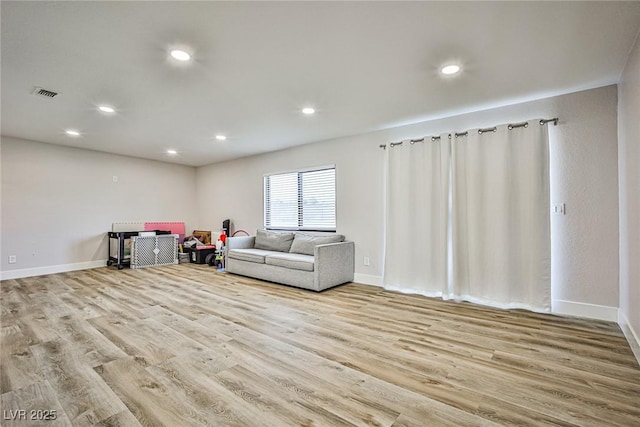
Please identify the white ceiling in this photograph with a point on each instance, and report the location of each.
(364, 66)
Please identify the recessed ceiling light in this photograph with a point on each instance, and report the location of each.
(308, 111)
(72, 132)
(221, 137)
(180, 55)
(172, 152)
(450, 69)
(106, 109)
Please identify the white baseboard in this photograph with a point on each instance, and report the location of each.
(630, 334)
(590, 311)
(51, 269)
(368, 279)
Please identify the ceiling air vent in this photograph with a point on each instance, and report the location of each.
(44, 92)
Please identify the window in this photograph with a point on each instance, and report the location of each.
(301, 200)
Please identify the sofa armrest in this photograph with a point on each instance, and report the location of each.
(334, 264)
(240, 242)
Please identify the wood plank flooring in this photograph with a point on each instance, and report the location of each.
(184, 345)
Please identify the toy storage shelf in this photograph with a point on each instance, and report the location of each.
(120, 246)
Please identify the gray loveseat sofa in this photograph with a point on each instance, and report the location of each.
(301, 259)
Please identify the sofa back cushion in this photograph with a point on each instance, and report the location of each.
(273, 241)
(304, 243)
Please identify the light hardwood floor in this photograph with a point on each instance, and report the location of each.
(183, 345)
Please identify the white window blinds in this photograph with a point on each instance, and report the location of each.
(303, 200)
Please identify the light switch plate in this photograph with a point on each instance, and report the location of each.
(559, 209)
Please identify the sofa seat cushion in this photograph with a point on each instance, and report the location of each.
(292, 261)
(251, 255)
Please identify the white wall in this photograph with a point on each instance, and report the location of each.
(629, 182)
(59, 202)
(234, 190)
(585, 177)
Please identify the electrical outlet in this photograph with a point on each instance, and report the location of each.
(12, 259)
(366, 261)
(115, 178)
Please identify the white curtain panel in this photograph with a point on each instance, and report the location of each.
(417, 216)
(500, 218)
